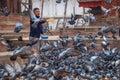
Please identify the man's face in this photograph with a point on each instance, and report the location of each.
(37, 12)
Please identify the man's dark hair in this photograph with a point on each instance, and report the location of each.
(35, 9)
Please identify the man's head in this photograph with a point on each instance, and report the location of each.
(36, 11)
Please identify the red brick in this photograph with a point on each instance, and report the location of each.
(15, 18)
(3, 18)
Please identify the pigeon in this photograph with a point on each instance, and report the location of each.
(108, 1)
(106, 11)
(65, 52)
(10, 69)
(86, 19)
(18, 27)
(45, 47)
(56, 46)
(3, 73)
(64, 40)
(73, 19)
(93, 45)
(93, 58)
(107, 29)
(58, 1)
(9, 44)
(65, 0)
(23, 52)
(118, 7)
(5, 11)
(92, 18)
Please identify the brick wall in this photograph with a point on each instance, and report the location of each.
(8, 23)
(113, 4)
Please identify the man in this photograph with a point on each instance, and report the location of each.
(36, 28)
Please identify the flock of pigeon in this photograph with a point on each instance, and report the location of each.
(55, 61)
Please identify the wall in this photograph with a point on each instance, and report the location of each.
(113, 13)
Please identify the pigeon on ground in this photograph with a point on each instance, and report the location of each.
(92, 18)
(65, 52)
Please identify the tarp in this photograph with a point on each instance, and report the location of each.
(90, 4)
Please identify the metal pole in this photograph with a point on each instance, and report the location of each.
(64, 19)
(42, 8)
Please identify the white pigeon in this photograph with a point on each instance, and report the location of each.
(93, 58)
(106, 11)
(113, 50)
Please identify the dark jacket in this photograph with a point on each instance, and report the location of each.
(35, 32)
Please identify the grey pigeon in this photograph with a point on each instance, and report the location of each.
(86, 18)
(92, 18)
(5, 11)
(65, 52)
(19, 26)
(106, 11)
(58, 1)
(108, 1)
(73, 19)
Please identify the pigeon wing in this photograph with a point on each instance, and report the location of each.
(10, 69)
(17, 66)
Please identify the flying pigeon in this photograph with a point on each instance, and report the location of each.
(86, 19)
(18, 27)
(106, 11)
(92, 18)
(108, 1)
(5, 11)
(118, 7)
(65, 0)
(58, 1)
(73, 19)
(65, 52)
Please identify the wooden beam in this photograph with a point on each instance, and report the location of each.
(8, 4)
(30, 4)
(15, 7)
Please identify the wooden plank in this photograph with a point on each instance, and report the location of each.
(12, 31)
